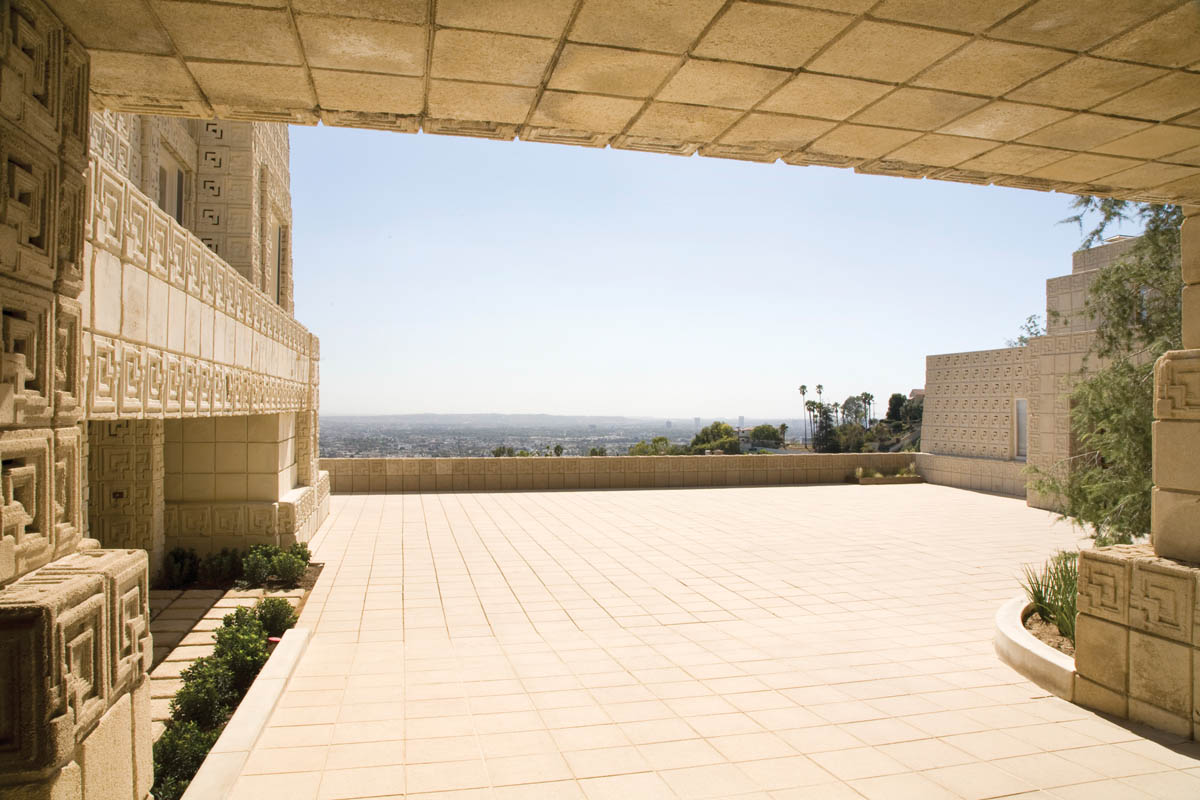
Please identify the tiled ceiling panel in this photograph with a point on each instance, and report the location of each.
(1071, 95)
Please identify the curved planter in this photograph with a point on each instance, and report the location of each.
(1049, 668)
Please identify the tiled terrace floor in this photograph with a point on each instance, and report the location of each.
(791, 642)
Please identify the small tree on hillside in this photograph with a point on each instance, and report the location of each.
(895, 407)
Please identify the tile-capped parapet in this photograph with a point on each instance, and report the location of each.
(396, 475)
(75, 639)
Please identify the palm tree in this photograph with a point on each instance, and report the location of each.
(811, 407)
(837, 412)
(803, 394)
(868, 400)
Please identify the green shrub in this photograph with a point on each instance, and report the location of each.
(178, 754)
(288, 569)
(1053, 591)
(268, 551)
(300, 550)
(181, 568)
(206, 697)
(729, 445)
(242, 645)
(275, 614)
(221, 569)
(256, 568)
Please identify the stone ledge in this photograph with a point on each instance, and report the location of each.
(1049, 668)
(399, 475)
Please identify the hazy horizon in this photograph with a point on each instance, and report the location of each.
(447, 274)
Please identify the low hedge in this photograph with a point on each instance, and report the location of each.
(212, 688)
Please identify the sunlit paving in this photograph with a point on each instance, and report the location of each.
(817, 642)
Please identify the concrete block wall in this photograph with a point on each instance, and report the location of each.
(76, 636)
(1137, 638)
(169, 328)
(234, 482)
(980, 474)
(970, 402)
(397, 475)
(126, 486)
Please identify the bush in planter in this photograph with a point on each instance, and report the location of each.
(221, 569)
(242, 646)
(276, 615)
(1053, 591)
(207, 696)
(256, 568)
(288, 569)
(178, 754)
(300, 550)
(181, 568)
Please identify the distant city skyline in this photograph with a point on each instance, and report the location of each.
(510, 277)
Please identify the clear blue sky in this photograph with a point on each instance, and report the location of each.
(454, 275)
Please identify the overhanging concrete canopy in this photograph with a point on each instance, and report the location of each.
(1082, 96)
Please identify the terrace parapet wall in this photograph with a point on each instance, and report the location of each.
(398, 475)
(979, 474)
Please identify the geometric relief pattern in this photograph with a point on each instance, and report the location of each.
(1177, 385)
(74, 637)
(27, 348)
(126, 599)
(54, 628)
(68, 368)
(1104, 585)
(28, 193)
(243, 354)
(27, 522)
(969, 402)
(126, 481)
(1161, 599)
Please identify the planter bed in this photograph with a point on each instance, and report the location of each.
(889, 479)
(1046, 666)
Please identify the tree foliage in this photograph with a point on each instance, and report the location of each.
(1136, 305)
(658, 446)
(767, 435)
(895, 405)
(717, 436)
(1030, 328)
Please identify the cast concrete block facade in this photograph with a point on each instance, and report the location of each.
(145, 282)
(1011, 406)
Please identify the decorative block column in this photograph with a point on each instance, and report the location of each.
(1137, 636)
(1176, 507)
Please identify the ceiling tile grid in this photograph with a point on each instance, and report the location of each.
(1099, 96)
